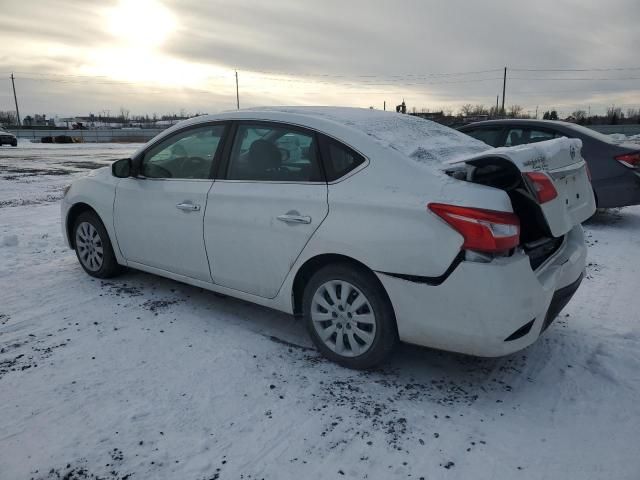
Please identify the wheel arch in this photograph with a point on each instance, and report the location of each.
(74, 212)
(313, 264)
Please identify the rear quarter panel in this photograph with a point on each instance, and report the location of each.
(379, 217)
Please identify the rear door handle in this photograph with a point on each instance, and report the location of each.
(291, 218)
(188, 206)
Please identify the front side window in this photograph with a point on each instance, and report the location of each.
(274, 153)
(188, 154)
(490, 136)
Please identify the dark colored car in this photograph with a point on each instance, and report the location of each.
(615, 167)
(7, 138)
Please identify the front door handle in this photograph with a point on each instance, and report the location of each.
(188, 206)
(294, 218)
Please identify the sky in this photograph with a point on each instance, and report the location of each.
(75, 57)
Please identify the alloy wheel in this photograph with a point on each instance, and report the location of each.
(89, 246)
(343, 318)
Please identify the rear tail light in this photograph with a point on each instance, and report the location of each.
(483, 230)
(542, 186)
(631, 160)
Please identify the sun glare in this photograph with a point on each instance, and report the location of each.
(140, 23)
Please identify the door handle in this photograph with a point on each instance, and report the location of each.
(188, 206)
(291, 218)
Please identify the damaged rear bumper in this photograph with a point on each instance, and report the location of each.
(489, 309)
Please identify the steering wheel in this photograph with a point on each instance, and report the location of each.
(156, 171)
(195, 166)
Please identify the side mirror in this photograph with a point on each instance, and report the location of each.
(121, 168)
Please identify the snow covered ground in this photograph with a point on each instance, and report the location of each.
(141, 377)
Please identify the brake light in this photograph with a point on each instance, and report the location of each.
(542, 186)
(483, 230)
(630, 160)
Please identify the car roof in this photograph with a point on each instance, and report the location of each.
(365, 129)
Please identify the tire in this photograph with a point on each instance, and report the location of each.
(364, 319)
(93, 247)
(14, 144)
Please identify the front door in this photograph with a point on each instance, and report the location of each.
(264, 210)
(159, 215)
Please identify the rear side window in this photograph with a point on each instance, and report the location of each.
(541, 135)
(490, 136)
(516, 136)
(274, 153)
(521, 136)
(341, 160)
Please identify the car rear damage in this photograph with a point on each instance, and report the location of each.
(526, 263)
(547, 183)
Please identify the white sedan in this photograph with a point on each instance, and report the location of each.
(373, 226)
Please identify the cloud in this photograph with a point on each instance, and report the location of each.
(360, 52)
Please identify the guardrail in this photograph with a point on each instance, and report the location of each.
(99, 135)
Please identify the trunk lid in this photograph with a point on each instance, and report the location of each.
(559, 159)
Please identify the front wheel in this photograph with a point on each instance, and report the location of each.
(349, 316)
(93, 247)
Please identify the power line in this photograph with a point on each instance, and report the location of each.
(612, 69)
(587, 79)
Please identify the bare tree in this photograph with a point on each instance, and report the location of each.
(480, 109)
(614, 111)
(124, 115)
(8, 118)
(515, 111)
(466, 109)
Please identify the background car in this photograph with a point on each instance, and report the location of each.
(373, 226)
(615, 167)
(7, 138)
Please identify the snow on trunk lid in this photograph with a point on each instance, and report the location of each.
(558, 163)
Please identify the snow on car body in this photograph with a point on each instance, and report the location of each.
(379, 226)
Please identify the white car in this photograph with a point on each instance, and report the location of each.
(373, 226)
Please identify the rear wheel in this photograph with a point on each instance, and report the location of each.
(349, 316)
(93, 247)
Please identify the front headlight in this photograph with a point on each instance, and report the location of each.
(66, 190)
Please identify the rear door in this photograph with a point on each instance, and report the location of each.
(267, 201)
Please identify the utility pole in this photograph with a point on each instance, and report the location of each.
(384, 105)
(504, 88)
(536, 112)
(15, 99)
(237, 93)
(497, 98)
